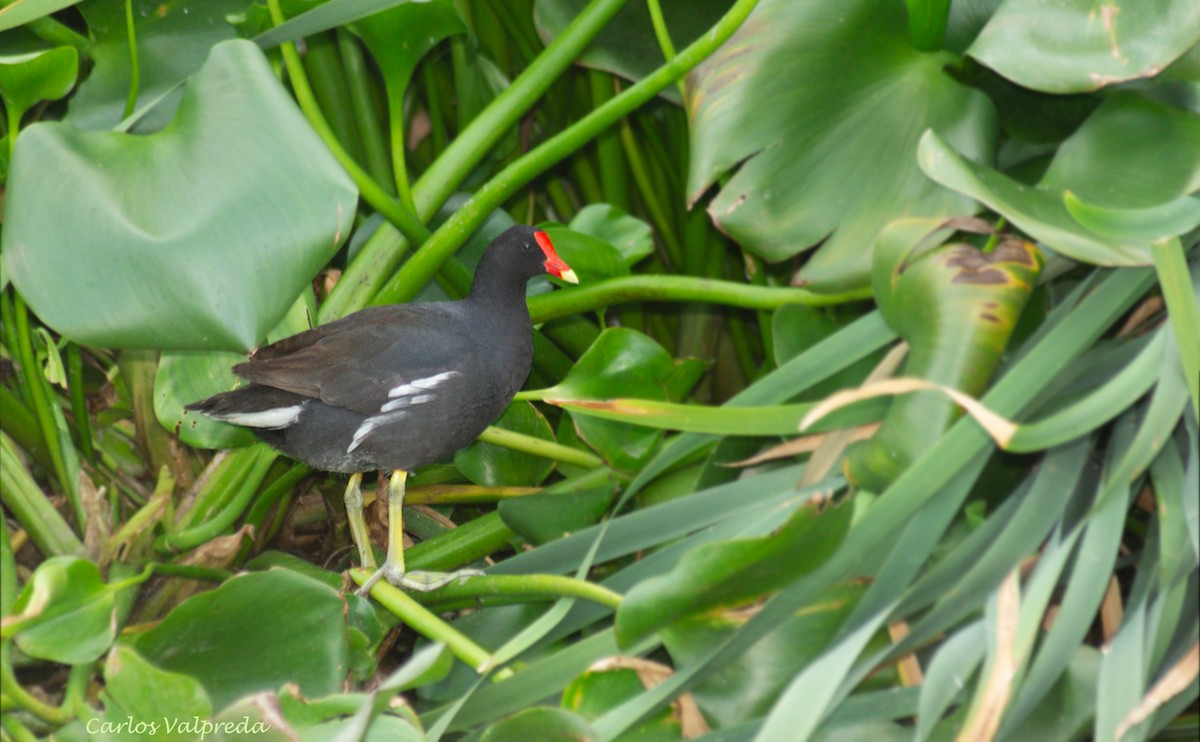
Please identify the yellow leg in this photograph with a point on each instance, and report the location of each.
(358, 526)
(393, 568)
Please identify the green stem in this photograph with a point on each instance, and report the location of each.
(649, 194)
(551, 586)
(15, 729)
(58, 34)
(422, 266)
(8, 572)
(395, 99)
(424, 622)
(608, 146)
(47, 529)
(468, 543)
(40, 396)
(135, 73)
(79, 401)
(545, 307)
(26, 700)
(664, 38)
(215, 526)
(358, 87)
(538, 447)
(191, 572)
(374, 194)
(994, 238)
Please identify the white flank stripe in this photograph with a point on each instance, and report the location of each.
(396, 404)
(421, 385)
(371, 423)
(280, 417)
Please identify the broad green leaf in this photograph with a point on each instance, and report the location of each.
(26, 79)
(540, 722)
(65, 613)
(198, 237)
(627, 45)
(623, 362)
(545, 517)
(162, 705)
(1145, 225)
(255, 632)
(1070, 46)
(174, 37)
(956, 307)
(823, 105)
(927, 20)
(491, 465)
(184, 377)
(729, 572)
(749, 686)
(599, 689)
(947, 675)
(632, 237)
(590, 257)
(20, 12)
(1132, 153)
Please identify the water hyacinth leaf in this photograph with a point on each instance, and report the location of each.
(590, 257)
(65, 613)
(1100, 165)
(1073, 46)
(623, 362)
(823, 105)
(184, 377)
(136, 689)
(1104, 166)
(26, 79)
(600, 689)
(174, 38)
(1146, 225)
(491, 465)
(627, 46)
(540, 722)
(544, 517)
(729, 572)
(240, 211)
(229, 638)
(631, 236)
(956, 307)
(748, 686)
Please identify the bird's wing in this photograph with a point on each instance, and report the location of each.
(364, 367)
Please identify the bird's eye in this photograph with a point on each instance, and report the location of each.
(528, 247)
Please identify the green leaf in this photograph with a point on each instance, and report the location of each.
(174, 37)
(1132, 153)
(199, 237)
(540, 723)
(623, 362)
(255, 632)
(748, 687)
(1077, 45)
(19, 13)
(927, 21)
(632, 237)
(729, 572)
(956, 307)
(65, 613)
(491, 465)
(590, 257)
(812, 99)
(161, 704)
(1144, 225)
(601, 688)
(547, 516)
(184, 377)
(26, 79)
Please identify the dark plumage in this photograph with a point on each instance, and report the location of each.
(397, 387)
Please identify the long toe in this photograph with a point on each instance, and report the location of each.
(426, 581)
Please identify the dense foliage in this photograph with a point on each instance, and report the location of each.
(874, 413)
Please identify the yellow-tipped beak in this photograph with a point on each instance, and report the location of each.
(569, 276)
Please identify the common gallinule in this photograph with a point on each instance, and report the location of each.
(396, 387)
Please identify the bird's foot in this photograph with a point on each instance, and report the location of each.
(416, 580)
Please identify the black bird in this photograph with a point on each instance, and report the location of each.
(396, 387)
